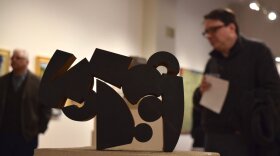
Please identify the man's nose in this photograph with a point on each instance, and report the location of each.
(208, 34)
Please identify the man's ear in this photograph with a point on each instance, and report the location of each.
(232, 26)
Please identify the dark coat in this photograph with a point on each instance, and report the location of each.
(249, 67)
(260, 122)
(252, 99)
(34, 113)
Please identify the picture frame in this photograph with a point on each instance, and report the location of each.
(191, 80)
(4, 61)
(40, 65)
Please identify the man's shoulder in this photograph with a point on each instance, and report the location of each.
(5, 77)
(33, 77)
(4, 81)
(253, 42)
(255, 47)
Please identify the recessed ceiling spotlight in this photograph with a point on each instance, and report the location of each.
(254, 6)
(272, 16)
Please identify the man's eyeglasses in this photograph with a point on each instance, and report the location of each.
(212, 30)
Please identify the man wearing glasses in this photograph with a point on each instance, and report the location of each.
(22, 115)
(247, 123)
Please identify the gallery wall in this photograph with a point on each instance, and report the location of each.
(78, 27)
(159, 23)
(42, 26)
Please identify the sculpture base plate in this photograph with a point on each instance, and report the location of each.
(90, 151)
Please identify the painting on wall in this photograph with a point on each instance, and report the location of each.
(4, 61)
(191, 80)
(40, 65)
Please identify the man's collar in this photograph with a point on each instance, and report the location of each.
(22, 75)
(233, 51)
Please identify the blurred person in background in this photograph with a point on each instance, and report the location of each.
(22, 115)
(248, 124)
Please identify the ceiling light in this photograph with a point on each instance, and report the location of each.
(272, 16)
(254, 6)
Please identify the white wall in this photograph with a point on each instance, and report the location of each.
(42, 26)
(150, 20)
(159, 16)
(166, 20)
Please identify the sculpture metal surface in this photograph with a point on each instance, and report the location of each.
(142, 84)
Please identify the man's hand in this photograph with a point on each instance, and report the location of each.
(204, 86)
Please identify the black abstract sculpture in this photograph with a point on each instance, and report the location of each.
(142, 84)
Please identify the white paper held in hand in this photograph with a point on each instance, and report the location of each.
(214, 98)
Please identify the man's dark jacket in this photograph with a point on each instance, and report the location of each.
(250, 68)
(34, 113)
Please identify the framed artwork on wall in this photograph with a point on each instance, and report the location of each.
(4, 61)
(191, 80)
(40, 65)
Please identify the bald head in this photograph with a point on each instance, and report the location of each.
(19, 61)
(21, 52)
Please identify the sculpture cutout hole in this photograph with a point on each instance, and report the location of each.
(150, 108)
(162, 69)
(143, 132)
